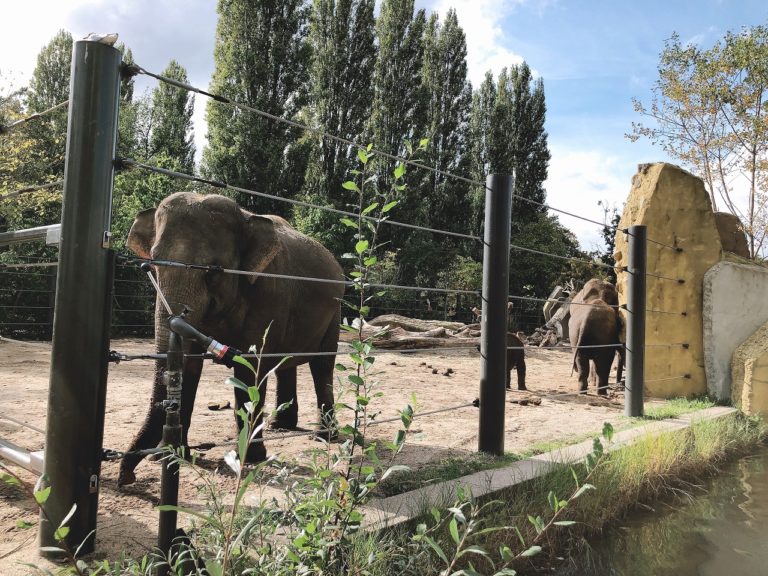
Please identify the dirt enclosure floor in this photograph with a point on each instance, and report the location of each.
(127, 519)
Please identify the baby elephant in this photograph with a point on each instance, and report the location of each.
(515, 359)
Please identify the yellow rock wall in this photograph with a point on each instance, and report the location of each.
(749, 374)
(675, 207)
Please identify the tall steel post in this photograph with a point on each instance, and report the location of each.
(77, 389)
(493, 339)
(633, 397)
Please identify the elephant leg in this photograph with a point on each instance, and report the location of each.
(582, 366)
(521, 374)
(620, 365)
(322, 375)
(287, 418)
(151, 431)
(257, 452)
(603, 363)
(509, 377)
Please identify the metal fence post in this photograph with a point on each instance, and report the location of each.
(80, 347)
(493, 339)
(633, 398)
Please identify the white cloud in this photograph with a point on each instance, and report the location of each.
(482, 23)
(578, 180)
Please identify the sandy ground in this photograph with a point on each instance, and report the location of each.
(127, 519)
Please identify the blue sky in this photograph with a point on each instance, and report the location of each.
(593, 56)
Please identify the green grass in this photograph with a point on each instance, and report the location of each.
(676, 407)
(448, 469)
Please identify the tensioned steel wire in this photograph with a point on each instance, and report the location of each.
(36, 116)
(136, 69)
(28, 189)
(224, 185)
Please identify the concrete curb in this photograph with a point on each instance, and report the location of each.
(389, 512)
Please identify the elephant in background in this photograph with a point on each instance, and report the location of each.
(595, 321)
(302, 316)
(515, 359)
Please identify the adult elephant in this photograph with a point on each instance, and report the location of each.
(595, 333)
(235, 309)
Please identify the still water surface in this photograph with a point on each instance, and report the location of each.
(723, 532)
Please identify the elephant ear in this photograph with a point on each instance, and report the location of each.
(142, 233)
(262, 243)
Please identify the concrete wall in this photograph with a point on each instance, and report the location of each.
(675, 207)
(735, 306)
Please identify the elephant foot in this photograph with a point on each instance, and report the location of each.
(125, 478)
(284, 424)
(256, 453)
(522, 388)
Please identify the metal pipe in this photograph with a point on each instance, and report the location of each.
(80, 346)
(169, 476)
(633, 398)
(493, 337)
(32, 461)
(50, 234)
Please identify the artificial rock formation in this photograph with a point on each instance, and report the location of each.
(675, 207)
(731, 233)
(749, 374)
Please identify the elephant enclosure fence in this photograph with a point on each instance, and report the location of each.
(127, 519)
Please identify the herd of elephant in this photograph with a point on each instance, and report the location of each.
(302, 317)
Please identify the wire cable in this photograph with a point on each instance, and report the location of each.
(8, 127)
(568, 258)
(20, 423)
(224, 100)
(534, 299)
(224, 185)
(29, 265)
(28, 189)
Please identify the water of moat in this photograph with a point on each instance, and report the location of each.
(723, 531)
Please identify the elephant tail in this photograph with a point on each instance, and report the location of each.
(576, 351)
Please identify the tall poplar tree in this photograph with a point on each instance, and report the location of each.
(261, 58)
(343, 48)
(171, 130)
(49, 86)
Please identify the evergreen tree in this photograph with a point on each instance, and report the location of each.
(49, 86)
(443, 201)
(261, 58)
(399, 115)
(171, 130)
(341, 94)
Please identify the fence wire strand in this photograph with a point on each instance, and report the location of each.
(300, 126)
(217, 184)
(4, 129)
(28, 189)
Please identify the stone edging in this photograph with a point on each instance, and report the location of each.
(388, 512)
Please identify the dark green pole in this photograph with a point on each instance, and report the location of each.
(633, 397)
(493, 325)
(77, 390)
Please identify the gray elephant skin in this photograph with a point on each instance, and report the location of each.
(595, 333)
(515, 359)
(302, 316)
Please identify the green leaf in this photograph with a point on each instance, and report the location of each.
(68, 516)
(395, 468)
(237, 383)
(553, 501)
(349, 222)
(10, 480)
(458, 513)
(453, 528)
(362, 156)
(350, 185)
(361, 246)
(423, 142)
(581, 490)
(399, 171)
(532, 551)
(242, 361)
(370, 261)
(607, 431)
(61, 533)
(506, 553)
(41, 496)
(23, 524)
(340, 367)
(564, 523)
(356, 380)
(370, 208)
(389, 206)
(505, 572)
(436, 548)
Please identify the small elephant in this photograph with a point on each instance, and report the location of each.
(236, 309)
(594, 330)
(515, 359)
